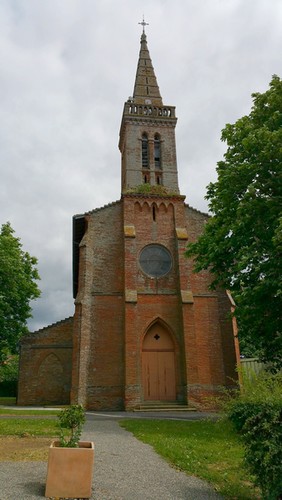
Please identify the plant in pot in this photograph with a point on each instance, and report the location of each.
(70, 461)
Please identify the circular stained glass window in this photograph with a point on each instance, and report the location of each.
(155, 260)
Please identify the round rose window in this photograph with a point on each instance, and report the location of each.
(155, 260)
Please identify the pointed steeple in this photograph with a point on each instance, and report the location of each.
(147, 132)
(146, 86)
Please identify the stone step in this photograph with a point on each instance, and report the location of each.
(163, 406)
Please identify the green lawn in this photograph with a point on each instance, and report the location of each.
(9, 411)
(28, 426)
(206, 449)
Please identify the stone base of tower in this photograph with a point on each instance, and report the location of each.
(102, 398)
(204, 397)
(132, 398)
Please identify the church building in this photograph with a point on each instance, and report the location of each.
(146, 330)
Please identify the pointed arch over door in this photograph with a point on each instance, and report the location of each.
(158, 364)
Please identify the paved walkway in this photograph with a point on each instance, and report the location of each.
(124, 469)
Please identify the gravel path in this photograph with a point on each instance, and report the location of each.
(124, 469)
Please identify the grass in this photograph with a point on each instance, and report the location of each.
(8, 411)
(209, 450)
(26, 439)
(22, 427)
(7, 401)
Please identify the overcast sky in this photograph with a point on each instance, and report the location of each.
(68, 66)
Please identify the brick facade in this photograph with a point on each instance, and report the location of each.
(137, 335)
(45, 365)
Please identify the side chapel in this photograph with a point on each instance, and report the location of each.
(146, 329)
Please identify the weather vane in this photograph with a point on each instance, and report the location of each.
(144, 24)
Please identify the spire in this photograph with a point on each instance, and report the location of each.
(146, 89)
(147, 137)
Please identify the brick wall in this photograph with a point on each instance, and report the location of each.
(98, 374)
(45, 365)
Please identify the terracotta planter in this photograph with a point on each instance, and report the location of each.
(70, 471)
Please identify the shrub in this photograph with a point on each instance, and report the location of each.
(256, 413)
(9, 388)
(71, 418)
(241, 411)
(262, 434)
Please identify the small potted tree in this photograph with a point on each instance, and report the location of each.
(70, 461)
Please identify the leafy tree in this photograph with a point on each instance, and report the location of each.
(9, 367)
(18, 275)
(242, 241)
(9, 372)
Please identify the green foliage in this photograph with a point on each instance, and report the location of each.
(18, 276)
(209, 450)
(242, 242)
(258, 391)
(263, 442)
(261, 386)
(9, 368)
(241, 412)
(71, 418)
(9, 388)
(256, 413)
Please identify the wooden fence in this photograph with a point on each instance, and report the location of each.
(251, 365)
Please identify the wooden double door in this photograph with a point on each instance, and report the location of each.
(158, 365)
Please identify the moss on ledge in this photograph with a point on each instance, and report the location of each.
(148, 189)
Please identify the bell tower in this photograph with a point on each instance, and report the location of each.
(154, 242)
(147, 132)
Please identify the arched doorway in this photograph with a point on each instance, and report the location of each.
(158, 365)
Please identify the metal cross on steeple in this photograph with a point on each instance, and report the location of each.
(143, 23)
